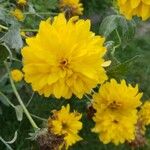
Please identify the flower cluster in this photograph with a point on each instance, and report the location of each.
(116, 112)
(74, 7)
(64, 122)
(130, 8)
(66, 58)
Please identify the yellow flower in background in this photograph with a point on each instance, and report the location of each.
(64, 122)
(64, 58)
(72, 6)
(18, 14)
(116, 113)
(22, 2)
(16, 75)
(144, 113)
(130, 8)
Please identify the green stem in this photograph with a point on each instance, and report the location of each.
(29, 30)
(41, 13)
(20, 100)
(39, 118)
(3, 27)
(24, 30)
(118, 36)
(89, 99)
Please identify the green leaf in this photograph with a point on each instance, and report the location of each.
(3, 99)
(19, 112)
(117, 22)
(120, 70)
(13, 38)
(3, 53)
(6, 17)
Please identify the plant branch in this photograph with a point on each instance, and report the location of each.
(20, 100)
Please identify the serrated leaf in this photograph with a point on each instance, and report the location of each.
(117, 22)
(19, 112)
(13, 38)
(3, 53)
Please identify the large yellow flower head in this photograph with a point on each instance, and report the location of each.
(66, 123)
(73, 6)
(16, 75)
(130, 8)
(144, 113)
(116, 113)
(64, 58)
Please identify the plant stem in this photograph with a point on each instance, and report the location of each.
(24, 30)
(3, 27)
(29, 30)
(20, 100)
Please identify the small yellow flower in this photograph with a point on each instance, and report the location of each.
(22, 2)
(130, 8)
(72, 6)
(66, 123)
(64, 58)
(144, 113)
(116, 113)
(18, 14)
(16, 75)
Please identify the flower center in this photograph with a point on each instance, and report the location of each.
(64, 63)
(115, 122)
(114, 105)
(64, 126)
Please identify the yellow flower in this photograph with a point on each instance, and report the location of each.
(18, 14)
(72, 6)
(66, 123)
(64, 58)
(144, 113)
(22, 2)
(16, 75)
(116, 113)
(130, 8)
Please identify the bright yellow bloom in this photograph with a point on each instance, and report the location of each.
(73, 6)
(18, 14)
(116, 113)
(130, 8)
(16, 75)
(22, 2)
(64, 58)
(144, 113)
(66, 123)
